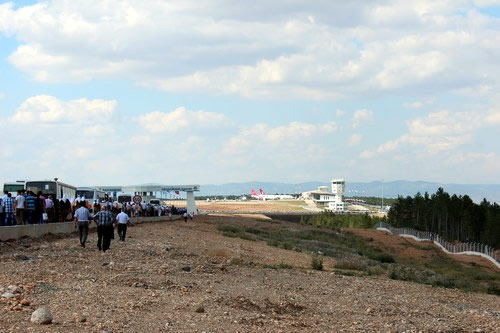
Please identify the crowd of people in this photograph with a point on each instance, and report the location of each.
(30, 208)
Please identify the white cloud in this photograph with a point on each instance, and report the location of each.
(45, 109)
(63, 139)
(437, 132)
(361, 116)
(291, 135)
(418, 104)
(366, 154)
(485, 3)
(88, 142)
(413, 105)
(308, 50)
(181, 119)
(355, 139)
(493, 118)
(2, 95)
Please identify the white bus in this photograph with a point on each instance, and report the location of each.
(13, 187)
(90, 194)
(57, 189)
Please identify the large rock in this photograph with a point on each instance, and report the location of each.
(41, 316)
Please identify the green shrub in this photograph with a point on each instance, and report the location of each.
(281, 265)
(333, 221)
(228, 228)
(273, 243)
(351, 265)
(483, 276)
(246, 236)
(230, 234)
(317, 263)
(383, 258)
(494, 290)
(376, 270)
(255, 231)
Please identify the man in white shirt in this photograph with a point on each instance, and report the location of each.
(20, 205)
(82, 215)
(49, 206)
(122, 219)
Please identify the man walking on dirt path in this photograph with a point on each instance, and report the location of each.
(105, 228)
(122, 219)
(82, 218)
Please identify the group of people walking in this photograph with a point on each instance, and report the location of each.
(106, 222)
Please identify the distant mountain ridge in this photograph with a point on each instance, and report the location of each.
(390, 189)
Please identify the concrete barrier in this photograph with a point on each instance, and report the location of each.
(39, 230)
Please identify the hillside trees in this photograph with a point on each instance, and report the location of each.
(454, 217)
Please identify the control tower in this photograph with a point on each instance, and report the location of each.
(338, 188)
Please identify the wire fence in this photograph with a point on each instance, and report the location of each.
(455, 247)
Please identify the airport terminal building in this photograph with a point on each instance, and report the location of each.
(332, 201)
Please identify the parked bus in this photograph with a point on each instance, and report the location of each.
(91, 194)
(57, 189)
(13, 187)
(124, 198)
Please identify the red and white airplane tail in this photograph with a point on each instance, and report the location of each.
(253, 192)
(261, 192)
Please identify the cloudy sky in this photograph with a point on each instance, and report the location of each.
(216, 91)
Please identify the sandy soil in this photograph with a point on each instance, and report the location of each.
(140, 286)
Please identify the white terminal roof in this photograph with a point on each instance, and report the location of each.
(150, 188)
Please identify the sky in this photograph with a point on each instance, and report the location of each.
(219, 91)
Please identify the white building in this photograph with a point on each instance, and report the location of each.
(333, 201)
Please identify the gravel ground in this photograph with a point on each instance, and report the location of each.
(186, 277)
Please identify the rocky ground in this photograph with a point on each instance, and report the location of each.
(178, 277)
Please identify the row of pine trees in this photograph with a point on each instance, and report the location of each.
(456, 218)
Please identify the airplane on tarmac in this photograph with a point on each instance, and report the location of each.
(264, 197)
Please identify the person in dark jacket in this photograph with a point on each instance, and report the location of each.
(105, 228)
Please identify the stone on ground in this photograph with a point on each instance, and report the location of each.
(41, 316)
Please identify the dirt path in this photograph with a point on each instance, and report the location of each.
(140, 286)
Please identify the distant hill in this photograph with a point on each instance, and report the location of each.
(389, 189)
